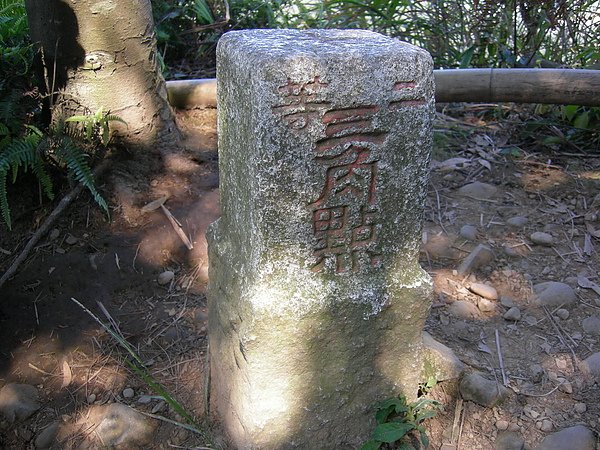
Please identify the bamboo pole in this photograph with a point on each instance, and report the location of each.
(555, 86)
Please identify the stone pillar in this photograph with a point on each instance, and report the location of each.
(317, 301)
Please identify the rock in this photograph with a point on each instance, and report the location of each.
(128, 393)
(478, 190)
(537, 373)
(480, 390)
(578, 437)
(468, 232)
(591, 325)
(441, 361)
(485, 305)
(165, 277)
(591, 365)
(91, 398)
(553, 293)
(484, 290)
(509, 440)
(507, 302)
(118, 425)
(47, 436)
(562, 313)
(480, 256)
(18, 401)
(541, 238)
(547, 425)
(71, 240)
(333, 197)
(513, 313)
(463, 310)
(502, 425)
(54, 234)
(580, 408)
(144, 399)
(512, 252)
(517, 221)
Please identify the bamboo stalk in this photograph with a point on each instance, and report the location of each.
(554, 86)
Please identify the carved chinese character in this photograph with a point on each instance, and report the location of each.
(300, 102)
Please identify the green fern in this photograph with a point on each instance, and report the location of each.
(97, 124)
(21, 153)
(76, 161)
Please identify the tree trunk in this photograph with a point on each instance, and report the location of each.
(102, 54)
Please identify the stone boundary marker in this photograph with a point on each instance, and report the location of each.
(316, 298)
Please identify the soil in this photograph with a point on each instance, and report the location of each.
(48, 341)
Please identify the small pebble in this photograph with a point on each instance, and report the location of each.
(144, 399)
(165, 277)
(547, 425)
(507, 302)
(591, 325)
(541, 238)
(513, 313)
(54, 234)
(511, 251)
(478, 190)
(71, 240)
(517, 221)
(485, 305)
(128, 393)
(580, 408)
(468, 232)
(502, 425)
(553, 293)
(537, 373)
(91, 398)
(463, 310)
(484, 290)
(562, 314)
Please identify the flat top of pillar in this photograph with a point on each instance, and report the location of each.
(291, 42)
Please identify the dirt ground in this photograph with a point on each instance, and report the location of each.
(48, 341)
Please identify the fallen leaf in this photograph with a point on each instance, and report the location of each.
(67, 375)
(482, 347)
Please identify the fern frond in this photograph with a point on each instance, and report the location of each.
(4, 208)
(42, 175)
(76, 161)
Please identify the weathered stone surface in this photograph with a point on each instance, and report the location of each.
(316, 298)
(18, 401)
(468, 232)
(591, 365)
(553, 293)
(480, 256)
(578, 437)
(509, 440)
(517, 221)
(482, 391)
(440, 361)
(463, 310)
(484, 290)
(117, 425)
(591, 325)
(478, 190)
(541, 238)
(513, 313)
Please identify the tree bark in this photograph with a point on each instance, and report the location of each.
(102, 54)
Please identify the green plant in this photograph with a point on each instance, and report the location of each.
(139, 368)
(96, 125)
(401, 423)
